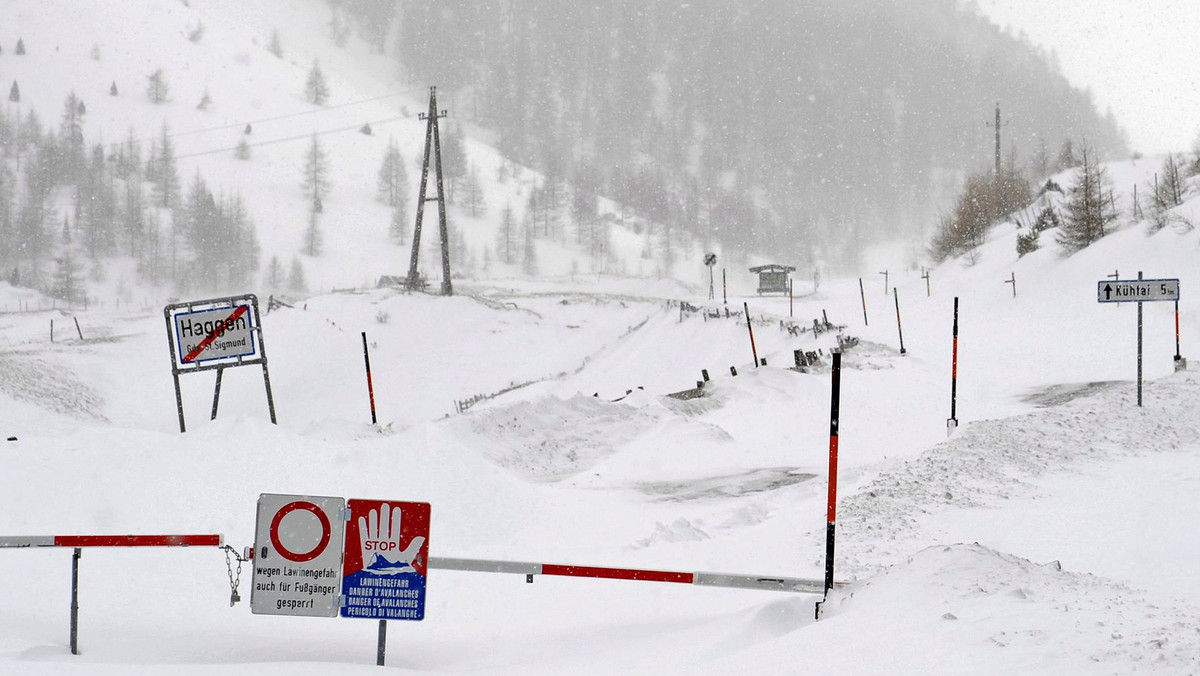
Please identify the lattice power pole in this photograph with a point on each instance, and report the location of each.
(433, 142)
(997, 124)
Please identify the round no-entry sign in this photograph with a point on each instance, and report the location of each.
(298, 560)
(311, 554)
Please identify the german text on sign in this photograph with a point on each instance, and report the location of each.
(217, 333)
(298, 556)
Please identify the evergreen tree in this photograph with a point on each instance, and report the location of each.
(312, 235)
(1088, 213)
(454, 159)
(71, 135)
(474, 193)
(14, 93)
(316, 172)
(393, 178)
(152, 258)
(165, 174)
(97, 206)
(133, 217)
(316, 90)
(67, 284)
(112, 89)
(273, 279)
(1167, 192)
(398, 230)
(8, 242)
(275, 47)
(296, 281)
(20, 46)
(242, 152)
(506, 237)
(205, 101)
(529, 257)
(157, 88)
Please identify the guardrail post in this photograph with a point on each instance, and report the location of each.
(75, 601)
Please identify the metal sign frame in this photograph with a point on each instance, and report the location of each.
(239, 306)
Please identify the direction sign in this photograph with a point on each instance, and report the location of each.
(387, 559)
(299, 542)
(710, 259)
(1137, 290)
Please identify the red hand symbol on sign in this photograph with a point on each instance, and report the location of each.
(380, 533)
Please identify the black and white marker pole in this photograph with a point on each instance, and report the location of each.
(899, 328)
(952, 422)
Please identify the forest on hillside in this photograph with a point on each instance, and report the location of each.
(804, 129)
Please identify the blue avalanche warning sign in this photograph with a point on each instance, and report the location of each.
(386, 561)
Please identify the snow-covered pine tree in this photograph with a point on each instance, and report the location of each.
(316, 171)
(316, 89)
(1087, 211)
(157, 88)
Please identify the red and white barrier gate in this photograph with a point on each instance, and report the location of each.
(77, 542)
(528, 569)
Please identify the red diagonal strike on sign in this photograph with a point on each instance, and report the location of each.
(241, 310)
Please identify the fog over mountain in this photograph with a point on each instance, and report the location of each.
(808, 129)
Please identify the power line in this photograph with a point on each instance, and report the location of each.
(288, 115)
(353, 127)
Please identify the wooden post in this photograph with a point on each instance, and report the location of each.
(1012, 279)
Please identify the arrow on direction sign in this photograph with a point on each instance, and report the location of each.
(1107, 291)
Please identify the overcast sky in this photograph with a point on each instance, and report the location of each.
(1139, 57)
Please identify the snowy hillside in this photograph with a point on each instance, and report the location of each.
(222, 51)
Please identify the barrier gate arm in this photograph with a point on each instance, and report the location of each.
(530, 569)
(78, 542)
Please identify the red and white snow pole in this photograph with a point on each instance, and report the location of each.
(863, 294)
(370, 387)
(952, 423)
(1178, 357)
(831, 508)
(750, 328)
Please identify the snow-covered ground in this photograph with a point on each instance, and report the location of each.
(1054, 532)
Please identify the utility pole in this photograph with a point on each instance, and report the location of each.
(997, 124)
(433, 143)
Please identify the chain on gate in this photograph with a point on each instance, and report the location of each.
(235, 578)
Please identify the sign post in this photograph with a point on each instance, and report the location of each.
(217, 333)
(710, 260)
(1139, 291)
